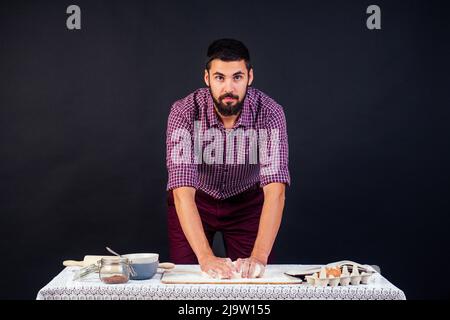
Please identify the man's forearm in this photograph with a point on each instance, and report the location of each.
(270, 221)
(190, 221)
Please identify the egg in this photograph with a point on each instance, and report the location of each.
(335, 272)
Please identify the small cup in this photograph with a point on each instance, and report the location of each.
(355, 280)
(310, 280)
(344, 280)
(322, 282)
(145, 265)
(365, 277)
(334, 282)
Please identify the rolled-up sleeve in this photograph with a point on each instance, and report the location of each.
(274, 150)
(181, 168)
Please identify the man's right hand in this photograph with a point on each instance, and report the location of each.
(215, 267)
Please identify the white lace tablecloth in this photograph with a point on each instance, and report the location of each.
(62, 287)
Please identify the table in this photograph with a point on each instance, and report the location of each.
(62, 287)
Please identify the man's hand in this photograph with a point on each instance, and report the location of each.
(221, 268)
(250, 267)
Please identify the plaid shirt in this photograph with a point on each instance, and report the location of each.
(202, 154)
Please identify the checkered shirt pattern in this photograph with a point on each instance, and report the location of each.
(214, 159)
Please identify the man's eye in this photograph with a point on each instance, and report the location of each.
(237, 77)
(220, 78)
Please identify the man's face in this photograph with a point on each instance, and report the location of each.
(227, 82)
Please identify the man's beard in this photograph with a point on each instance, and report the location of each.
(228, 109)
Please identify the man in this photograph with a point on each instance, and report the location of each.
(214, 187)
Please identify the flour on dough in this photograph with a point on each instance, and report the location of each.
(237, 275)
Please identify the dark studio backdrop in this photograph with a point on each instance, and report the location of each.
(83, 118)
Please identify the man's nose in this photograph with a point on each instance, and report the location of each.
(228, 88)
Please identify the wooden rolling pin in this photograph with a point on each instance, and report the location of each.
(88, 260)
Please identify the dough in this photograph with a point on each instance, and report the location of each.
(257, 273)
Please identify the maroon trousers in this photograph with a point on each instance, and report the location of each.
(236, 217)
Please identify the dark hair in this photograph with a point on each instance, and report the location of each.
(228, 50)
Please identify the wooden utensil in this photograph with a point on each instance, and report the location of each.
(91, 259)
(88, 260)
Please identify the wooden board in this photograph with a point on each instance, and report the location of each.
(193, 275)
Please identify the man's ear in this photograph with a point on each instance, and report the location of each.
(206, 77)
(250, 76)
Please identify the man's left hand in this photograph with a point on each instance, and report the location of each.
(250, 267)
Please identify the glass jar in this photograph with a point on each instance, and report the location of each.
(114, 270)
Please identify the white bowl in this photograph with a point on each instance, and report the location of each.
(140, 258)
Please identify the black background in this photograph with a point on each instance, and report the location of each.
(83, 118)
